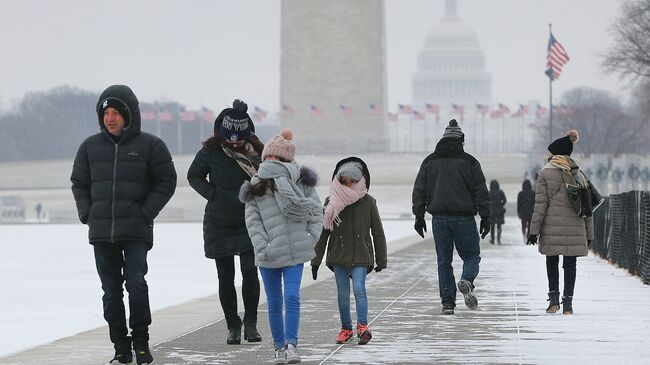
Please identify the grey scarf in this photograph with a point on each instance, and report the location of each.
(290, 198)
(248, 161)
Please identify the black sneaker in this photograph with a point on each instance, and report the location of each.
(447, 309)
(142, 352)
(123, 353)
(466, 288)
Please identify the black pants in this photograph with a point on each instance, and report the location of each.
(250, 288)
(498, 231)
(552, 271)
(525, 227)
(118, 263)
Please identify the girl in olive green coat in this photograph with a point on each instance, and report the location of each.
(351, 218)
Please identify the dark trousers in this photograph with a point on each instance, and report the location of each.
(250, 288)
(498, 231)
(553, 273)
(461, 232)
(119, 263)
(525, 227)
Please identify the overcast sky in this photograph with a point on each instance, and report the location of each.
(206, 53)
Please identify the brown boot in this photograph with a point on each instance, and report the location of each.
(554, 302)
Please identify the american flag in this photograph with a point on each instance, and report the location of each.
(556, 57)
(404, 108)
(346, 110)
(375, 109)
(417, 115)
(148, 116)
(165, 115)
(523, 110)
(432, 108)
(259, 113)
(287, 110)
(392, 117)
(482, 109)
(496, 114)
(315, 110)
(458, 109)
(187, 116)
(503, 109)
(541, 111)
(208, 115)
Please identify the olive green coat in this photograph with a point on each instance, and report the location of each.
(350, 243)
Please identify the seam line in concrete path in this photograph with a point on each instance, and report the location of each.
(382, 312)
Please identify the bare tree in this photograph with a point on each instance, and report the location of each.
(600, 119)
(630, 54)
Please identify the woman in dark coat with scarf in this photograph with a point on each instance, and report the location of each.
(497, 210)
(227, 159)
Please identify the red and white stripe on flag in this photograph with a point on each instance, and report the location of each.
(556, 57)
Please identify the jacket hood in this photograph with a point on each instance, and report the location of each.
(449, 147)
(272, 169)
(125, 95)
(526, 185)
(366, 172)
(494, 185)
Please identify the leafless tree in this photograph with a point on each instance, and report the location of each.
(630, 54)
(603, 124)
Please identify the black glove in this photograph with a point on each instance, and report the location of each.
(314, 271)
(378, 269)
(588, 243)
(485, 227)
(420, 226)
(532, 239)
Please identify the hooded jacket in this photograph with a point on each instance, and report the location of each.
(450, 182)
(121, 185)
(359, 240)
(285, 223)
(526, 201)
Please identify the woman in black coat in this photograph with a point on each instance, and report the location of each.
(227, 159)
(497, 210)
(525, 205)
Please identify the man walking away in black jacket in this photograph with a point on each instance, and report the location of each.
(451, 187)
(121, 179)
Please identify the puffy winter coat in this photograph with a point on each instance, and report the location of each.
(120, 187)
(283, 227)
(561, 231)
(218, 179)
(450, 182)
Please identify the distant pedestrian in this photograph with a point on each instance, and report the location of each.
(121, 179)
(39, 211)
(451, 187)
(497, 210)
(560, 229)
(284, 218)
(227, 159)
(351, 219)
(525, 204)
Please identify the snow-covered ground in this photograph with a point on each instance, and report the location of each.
(50, 288)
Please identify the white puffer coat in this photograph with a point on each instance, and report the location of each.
(284, 225)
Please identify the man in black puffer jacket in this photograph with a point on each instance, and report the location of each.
(451, 187)
(121, 179)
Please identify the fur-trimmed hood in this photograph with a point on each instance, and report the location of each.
(305, 175)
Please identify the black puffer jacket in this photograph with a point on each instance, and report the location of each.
(120, 187)
(450, 182)
(218, 179)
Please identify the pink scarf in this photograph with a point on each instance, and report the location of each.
(340, 197)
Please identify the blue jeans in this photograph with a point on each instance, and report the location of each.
(358, 274)
(118, 264)
(284, 331)
(459, 231)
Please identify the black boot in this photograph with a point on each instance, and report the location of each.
(123, 353)
(554, 302)
(142, 352)
(567, 305)
(234, 336)
(251, 334)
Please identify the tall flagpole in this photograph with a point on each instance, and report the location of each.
(550, 97)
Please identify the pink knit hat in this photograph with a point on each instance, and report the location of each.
(280, 145)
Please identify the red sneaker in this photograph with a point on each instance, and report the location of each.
(363, 333)
(344, 336)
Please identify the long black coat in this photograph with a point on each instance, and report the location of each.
(218, 179)
(120, 187)
(526, 201)
(497, 206)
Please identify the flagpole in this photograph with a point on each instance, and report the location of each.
(550, 98)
